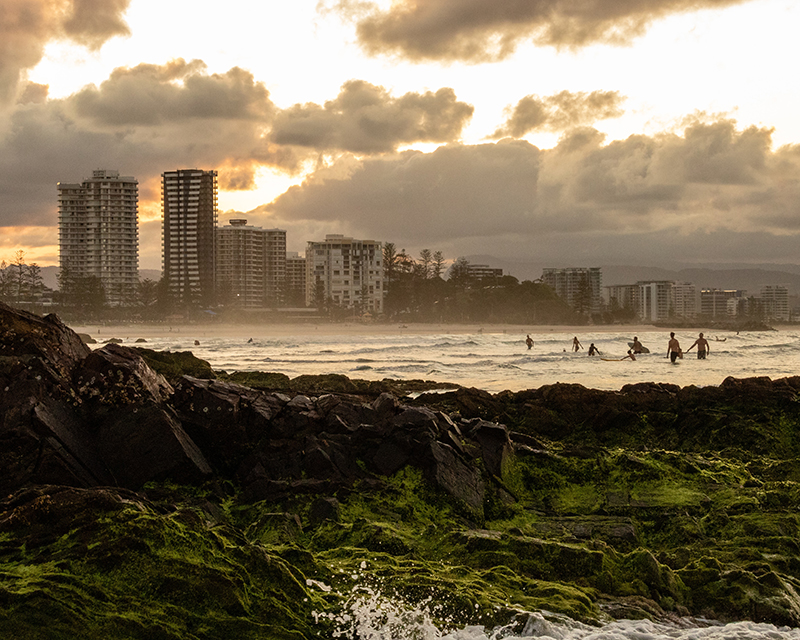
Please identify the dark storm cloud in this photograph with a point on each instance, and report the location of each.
(365, 118)
(712, 180)
(26, 26)
(559, 112)
(480, 31)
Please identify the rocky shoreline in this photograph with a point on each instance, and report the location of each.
(146, 496)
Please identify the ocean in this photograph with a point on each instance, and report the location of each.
(493, 361)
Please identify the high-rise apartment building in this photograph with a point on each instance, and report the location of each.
(240, 264)
(189, 206)
(274, 266)
(656, 300)
(295, 293)
(251, 265)
(346, 272)
(685, 299)
(580, 287)
(98, 232)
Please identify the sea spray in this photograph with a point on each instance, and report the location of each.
(370, 613)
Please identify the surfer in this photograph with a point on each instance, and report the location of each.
(593, 350)
(702, 347)
(673, 348)
(636, 346)
(250, 341)
(630, 356)
(529, 341)
(576, 344)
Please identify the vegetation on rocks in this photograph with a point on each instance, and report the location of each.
(143, 500)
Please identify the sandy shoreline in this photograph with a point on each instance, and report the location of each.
(131, 332)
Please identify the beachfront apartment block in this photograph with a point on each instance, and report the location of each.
(189, 208)
(656, 300)
(345, 272)
(98, 232)
(721, 303)
(580, 287)
(684, 299)
(250, 265)
(775, 302)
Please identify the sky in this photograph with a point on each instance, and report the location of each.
(580, 133)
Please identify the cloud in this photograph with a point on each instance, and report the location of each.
(559, 112)
(365, 118)
(26, 26)
(480, 31)
(178, 91)
(147, 119)
(584, 197)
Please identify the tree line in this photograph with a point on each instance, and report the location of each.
(417, 290)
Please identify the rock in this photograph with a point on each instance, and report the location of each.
(324, 509)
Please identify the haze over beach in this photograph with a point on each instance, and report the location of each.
(655, 133)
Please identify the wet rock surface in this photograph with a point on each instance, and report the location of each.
(192, 503)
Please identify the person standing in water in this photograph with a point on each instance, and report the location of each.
(673, 348)
(702, 347)
(593, 350)
(529, 341)
(576, 344)
(637, 346)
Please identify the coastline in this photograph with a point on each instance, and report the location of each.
(133, 331)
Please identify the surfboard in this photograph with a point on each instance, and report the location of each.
(644, 349)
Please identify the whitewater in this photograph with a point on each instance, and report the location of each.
(371, 615)
(493, 360)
